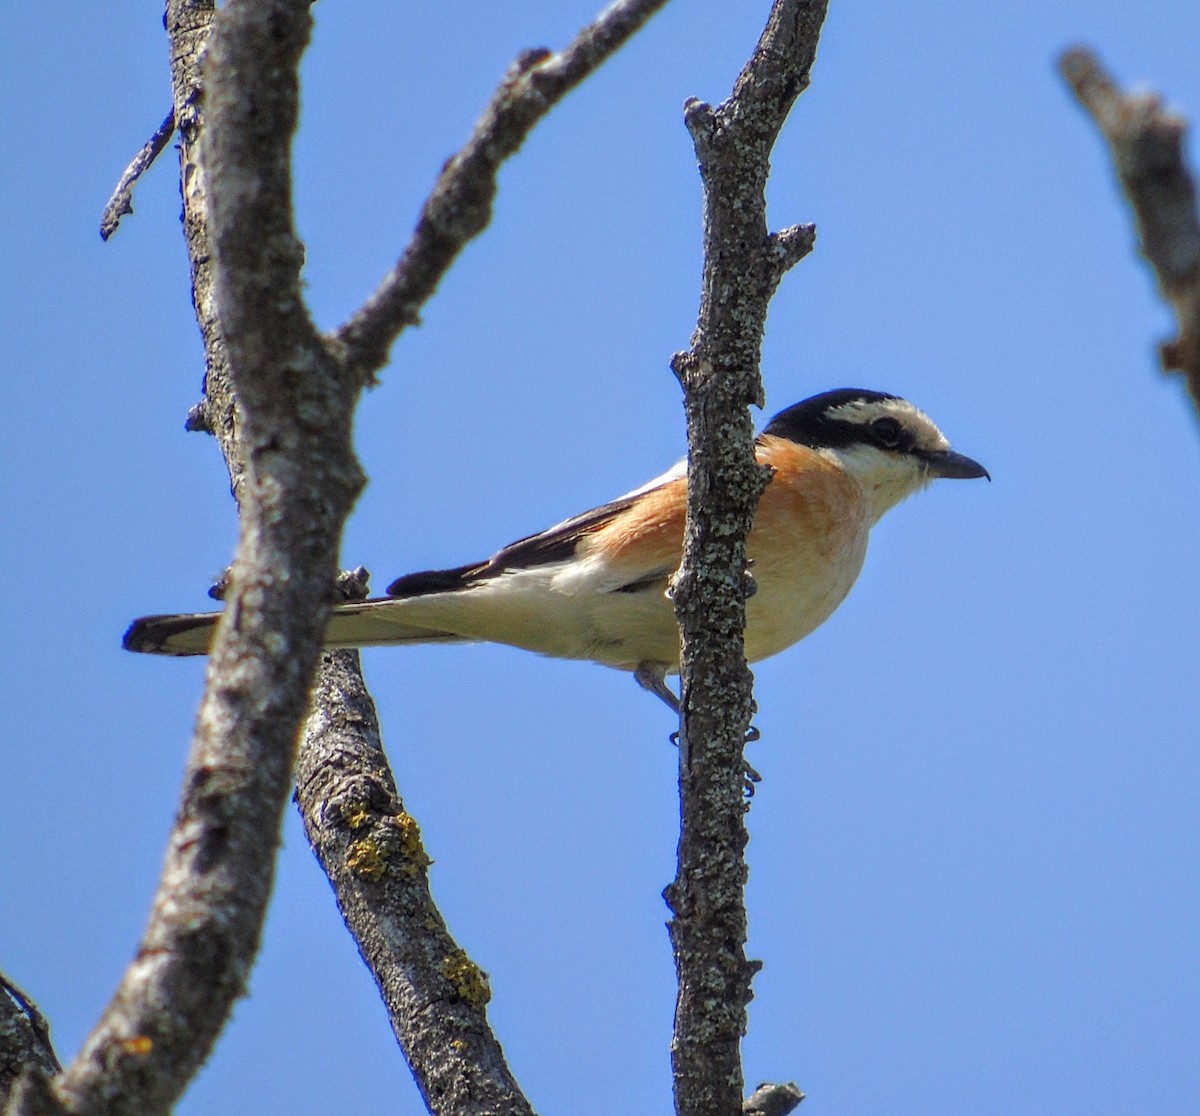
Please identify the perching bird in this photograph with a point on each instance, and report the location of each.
(595, 586)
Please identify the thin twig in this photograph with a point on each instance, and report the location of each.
(1146, 142)
(460, 205)
(121, 201)
(743, 264)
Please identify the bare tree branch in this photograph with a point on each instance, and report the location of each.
(279, 398)
(1146, 142)
(460, 206)
(33, 1095)
(121, 201)
(300, 480)
(436, 997)
(370, 847)
(24, 1039)
(188, 24)
(434, 993)
(743, 264)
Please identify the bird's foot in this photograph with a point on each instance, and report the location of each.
(749, 775)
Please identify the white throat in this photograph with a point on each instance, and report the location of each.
(886, 478)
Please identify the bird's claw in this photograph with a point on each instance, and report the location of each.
(750, 776)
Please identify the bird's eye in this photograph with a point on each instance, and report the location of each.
(886, 431)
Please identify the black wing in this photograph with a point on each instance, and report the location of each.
(556, 544)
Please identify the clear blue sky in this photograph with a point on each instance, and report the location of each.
(974, 850)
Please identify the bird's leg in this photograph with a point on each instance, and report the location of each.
(653, 677)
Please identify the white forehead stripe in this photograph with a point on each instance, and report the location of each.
(864, 410)
(925, 433)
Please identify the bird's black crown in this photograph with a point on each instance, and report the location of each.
(810, 424)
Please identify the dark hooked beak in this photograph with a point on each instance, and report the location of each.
(955, 466)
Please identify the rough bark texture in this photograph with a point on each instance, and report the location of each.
(25, 1045)
(743, 264)
(773, 1100)
(279, 398)
(371, 849)
(1146, 142)
(297, 481)
(188, 25)
(121, 201)
(368, 844)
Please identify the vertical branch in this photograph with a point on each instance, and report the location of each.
(188, 25)
(743, 264)
(297, 478)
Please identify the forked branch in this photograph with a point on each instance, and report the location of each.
(279, 398)
(300, 482)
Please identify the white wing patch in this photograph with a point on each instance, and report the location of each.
(675, 472)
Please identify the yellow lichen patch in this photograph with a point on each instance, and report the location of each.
(469, 980)
(410, 840)
(357, 814)
(366, 860)
(139, 1044)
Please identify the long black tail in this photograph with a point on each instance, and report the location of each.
(357, 624)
